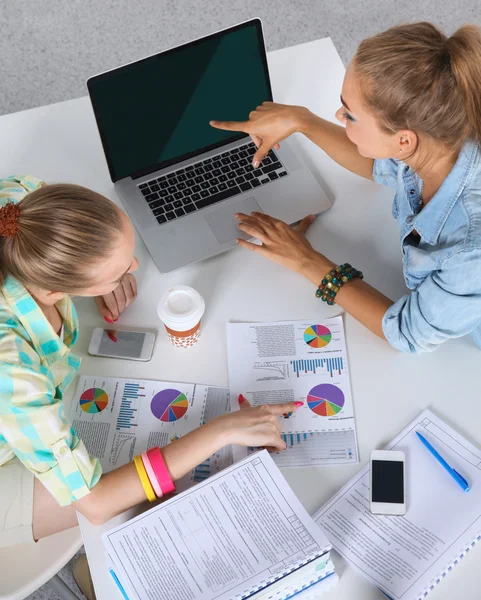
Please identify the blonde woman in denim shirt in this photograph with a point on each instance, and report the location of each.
(412, 113)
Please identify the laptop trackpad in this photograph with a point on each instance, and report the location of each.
(223, 223)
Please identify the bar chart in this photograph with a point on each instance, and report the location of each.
(218, 461)
(307, 366)
(202, 471)
(291, 439)
(131, 394)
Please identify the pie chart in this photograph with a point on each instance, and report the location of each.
(169, 405)
(94, 400)
(325, 400)
(317, 336)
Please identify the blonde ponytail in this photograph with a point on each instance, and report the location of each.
(60, 232)
(464, 48)
(414, 77)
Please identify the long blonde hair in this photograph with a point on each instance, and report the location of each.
(61, 231)
(415, 77)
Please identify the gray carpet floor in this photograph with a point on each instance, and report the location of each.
(48, 48)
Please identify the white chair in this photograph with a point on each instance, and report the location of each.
(25, 568)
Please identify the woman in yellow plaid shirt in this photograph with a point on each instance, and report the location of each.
(57, 241)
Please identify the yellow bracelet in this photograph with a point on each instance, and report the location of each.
(144, 479)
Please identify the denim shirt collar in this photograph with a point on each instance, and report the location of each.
(430, 221)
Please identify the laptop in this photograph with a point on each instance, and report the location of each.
(181, 180)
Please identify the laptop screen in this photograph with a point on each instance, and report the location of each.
(156, 111)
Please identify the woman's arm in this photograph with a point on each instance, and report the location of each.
(290, 248)
(32, 422)
(333, 140)
(366, 304)
(121, 489)
(271, 123)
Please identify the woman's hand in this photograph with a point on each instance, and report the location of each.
(112, 305)
(257, 426)
(268, 124)
(282, 244)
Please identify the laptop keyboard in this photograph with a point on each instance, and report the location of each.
(207, 182)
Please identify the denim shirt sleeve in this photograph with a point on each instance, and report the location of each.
(446, 305)
(385, 171)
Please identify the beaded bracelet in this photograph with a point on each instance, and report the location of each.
(334, 280)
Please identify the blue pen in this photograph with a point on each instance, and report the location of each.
(459, 479)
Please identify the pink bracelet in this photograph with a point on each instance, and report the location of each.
(151, 475)
(158, 465)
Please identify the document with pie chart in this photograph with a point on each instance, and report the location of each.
(285, 361)
(120, 418)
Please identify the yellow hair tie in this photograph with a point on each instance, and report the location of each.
(144, 479)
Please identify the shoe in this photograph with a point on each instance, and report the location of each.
(81, 574)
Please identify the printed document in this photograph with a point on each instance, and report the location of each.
(298, 360)
(120, 418)
(321, 449)
(222, 538)
(407, 556)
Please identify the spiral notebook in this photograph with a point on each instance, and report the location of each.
(407, 557)
(241, 534)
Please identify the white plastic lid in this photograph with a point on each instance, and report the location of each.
(181, 308)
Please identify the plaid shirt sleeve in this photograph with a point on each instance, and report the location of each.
(33, 424)
(16, 187)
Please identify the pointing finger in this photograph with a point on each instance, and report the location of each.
(280, 409)
(261, 153)
(243, 402)
(230, 125)
(256, 139)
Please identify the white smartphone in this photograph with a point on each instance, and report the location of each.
(115, 343)
(388, 493)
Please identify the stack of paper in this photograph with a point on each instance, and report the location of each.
(240, 534)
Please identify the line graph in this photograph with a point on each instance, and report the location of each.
(269, 370)
(122, 449)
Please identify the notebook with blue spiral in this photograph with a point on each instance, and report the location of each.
(408, 556)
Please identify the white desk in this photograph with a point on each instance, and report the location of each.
(60, 143)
